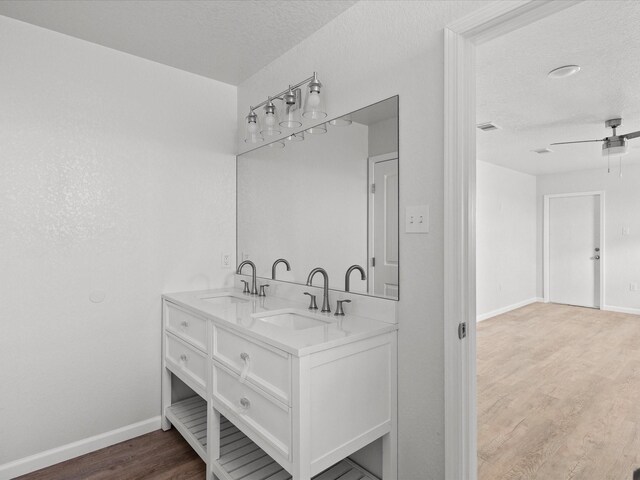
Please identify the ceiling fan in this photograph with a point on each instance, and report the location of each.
(613, 145)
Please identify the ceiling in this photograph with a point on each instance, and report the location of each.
(514, 92)
(225, 40)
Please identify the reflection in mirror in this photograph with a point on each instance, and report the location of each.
(326, 200)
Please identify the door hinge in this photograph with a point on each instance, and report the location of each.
(462, 330)
(373, 261)
(373, 188)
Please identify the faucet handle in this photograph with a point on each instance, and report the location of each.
(246, 286)
(312, 301)
(262, 287)
(339, 310)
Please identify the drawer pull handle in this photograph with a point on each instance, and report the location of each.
(184, 357)
(245, 403)
(247, 365)
(185, 324)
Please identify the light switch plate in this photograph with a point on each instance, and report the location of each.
(417, 219)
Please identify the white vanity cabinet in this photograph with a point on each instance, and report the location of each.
(272, 413)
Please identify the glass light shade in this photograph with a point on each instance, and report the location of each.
(614, 146)
(295, 137)
(276, 144)
(292, 109)
(342, 121)
(252, 129)
(314, 103)
(271, 120)
(318, 129)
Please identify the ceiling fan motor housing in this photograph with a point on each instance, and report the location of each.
(614, 146)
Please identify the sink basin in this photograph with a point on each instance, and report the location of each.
(292, 320)
(228, 299)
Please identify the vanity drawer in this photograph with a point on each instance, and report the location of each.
(264, 366)
(265, 416)
(186, 362)
(187, 326)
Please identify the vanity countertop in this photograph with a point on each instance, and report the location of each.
(231, 308)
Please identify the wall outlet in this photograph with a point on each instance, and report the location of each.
(226, 260)
(633, 286)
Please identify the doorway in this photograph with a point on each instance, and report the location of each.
(383, 221)
(574, 249)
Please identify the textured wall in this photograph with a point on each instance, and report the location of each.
(621, 252)
(373, 51)
(505, 237)
(117, 183)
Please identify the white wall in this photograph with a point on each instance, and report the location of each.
(117, 178)
(505, 239)
(622, 209)
(308, 204)
(375, 50)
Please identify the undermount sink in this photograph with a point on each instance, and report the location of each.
(291, 319)
(225, 299)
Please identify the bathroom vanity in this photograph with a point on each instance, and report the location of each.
(280, 391)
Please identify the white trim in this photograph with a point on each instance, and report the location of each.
(545, 247)
(461, 37)
(507, 309)
(75, 449)
(611, 308)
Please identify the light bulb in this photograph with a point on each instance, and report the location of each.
(314, 99)
(270, 120)
(252, 127)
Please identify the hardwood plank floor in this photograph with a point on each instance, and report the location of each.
(558, 394)
(157, 455)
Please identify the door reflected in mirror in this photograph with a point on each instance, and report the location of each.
(330, 201)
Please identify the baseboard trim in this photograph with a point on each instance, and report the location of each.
(75, 449)
(500, 311)
(611, 308)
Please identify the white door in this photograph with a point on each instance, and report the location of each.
(574, 250)
(383, 219)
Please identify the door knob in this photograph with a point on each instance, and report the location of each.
(597, 257)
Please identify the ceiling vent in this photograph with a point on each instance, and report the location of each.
(487, 126)
(543, 150)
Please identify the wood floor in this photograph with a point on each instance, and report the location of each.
(558, 394)
(158, 455)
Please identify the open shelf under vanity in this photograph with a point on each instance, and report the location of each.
(240, 458)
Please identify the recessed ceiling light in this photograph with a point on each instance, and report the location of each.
(563, 72)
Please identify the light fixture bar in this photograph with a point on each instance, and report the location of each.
(286, 90)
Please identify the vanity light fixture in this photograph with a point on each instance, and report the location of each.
(252, 133)
(314, 104)
(271, 120)
(292, 117)
(292, 107)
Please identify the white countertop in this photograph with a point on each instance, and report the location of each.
(241, 313)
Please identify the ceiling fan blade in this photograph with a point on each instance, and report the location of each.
(632, 135)
(579, 141)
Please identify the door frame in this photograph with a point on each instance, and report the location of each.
(545, 248)
(383, 157)
(460, 40)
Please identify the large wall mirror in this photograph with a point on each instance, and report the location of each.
(330, 201)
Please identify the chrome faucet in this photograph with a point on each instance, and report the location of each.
(325, 288)
(275, 264)
(254, 289)
(363, 276)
